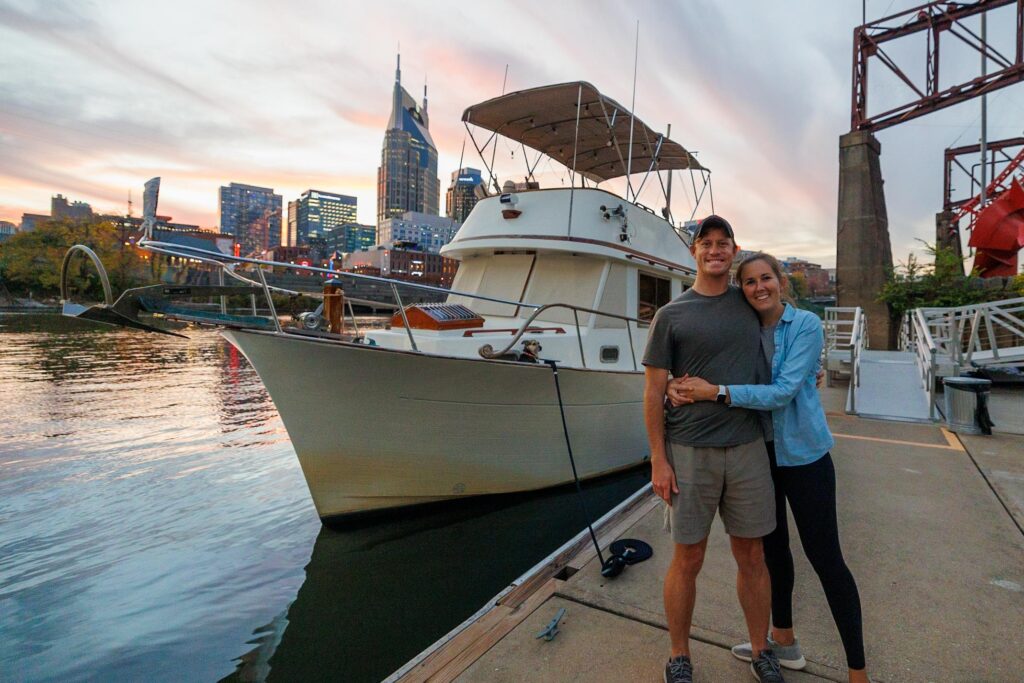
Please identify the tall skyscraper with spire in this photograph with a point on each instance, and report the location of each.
(407, 177)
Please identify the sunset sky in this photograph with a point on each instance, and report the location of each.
(97, 97)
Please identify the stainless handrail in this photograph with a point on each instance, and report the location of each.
(858, 340)
(217, 258)
(926, 354)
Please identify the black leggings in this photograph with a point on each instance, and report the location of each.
(811, 492)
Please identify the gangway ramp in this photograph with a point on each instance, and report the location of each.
(887, 385)
(890, 388)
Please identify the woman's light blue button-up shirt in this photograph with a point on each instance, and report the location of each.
(801, 432)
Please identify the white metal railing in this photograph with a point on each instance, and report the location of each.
(925, 352)
(989, 334)
(846, 337)
(858, 342)
(841, 329)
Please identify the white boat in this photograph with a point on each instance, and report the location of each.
(450, 402)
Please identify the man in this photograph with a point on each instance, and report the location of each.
(707, 456)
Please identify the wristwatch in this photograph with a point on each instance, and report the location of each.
(721, 394)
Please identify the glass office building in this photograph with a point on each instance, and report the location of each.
(315, 213)
(350, 237)
(461, 196)
(253, 215)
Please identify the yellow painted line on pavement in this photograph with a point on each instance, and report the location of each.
(952, 440)
(916, 444)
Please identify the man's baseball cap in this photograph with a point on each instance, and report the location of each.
(716, 222)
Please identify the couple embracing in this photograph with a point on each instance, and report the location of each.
(744, 434)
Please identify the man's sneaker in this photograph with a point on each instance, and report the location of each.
(679, 670)
(766, 668)
(790, 656)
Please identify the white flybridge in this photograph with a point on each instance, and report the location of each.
(459, 398)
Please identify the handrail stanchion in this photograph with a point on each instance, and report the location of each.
(632, 351)
(270, 301)
(223, 299)
(931, 386)
(579, 336)
(993, 343)
(352, 315)
(405, 318)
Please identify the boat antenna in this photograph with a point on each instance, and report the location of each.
(668, 190)
(504, 81)
(632, 114)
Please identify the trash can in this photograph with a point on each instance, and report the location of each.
(967, 405)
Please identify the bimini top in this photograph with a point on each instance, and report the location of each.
(545, 119)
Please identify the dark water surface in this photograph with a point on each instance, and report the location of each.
(155, 525)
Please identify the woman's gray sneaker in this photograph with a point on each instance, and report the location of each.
(789, 656)
(679, 670)
(766, 668)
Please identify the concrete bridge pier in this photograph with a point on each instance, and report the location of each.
(863, 249)
(946, 234)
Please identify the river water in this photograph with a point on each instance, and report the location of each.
(155, 525)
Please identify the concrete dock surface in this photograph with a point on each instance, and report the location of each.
(931, 526)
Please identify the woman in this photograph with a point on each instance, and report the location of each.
(802, 471)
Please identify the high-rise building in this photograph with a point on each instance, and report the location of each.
(461, 196)
(350, 237)
(315, 213)
(60, 207)
(253, 215)
(429, 232)
(407, 177)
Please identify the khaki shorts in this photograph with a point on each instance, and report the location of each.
(737, 481)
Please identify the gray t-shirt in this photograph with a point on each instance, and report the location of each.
(718, 339)
(765, 376)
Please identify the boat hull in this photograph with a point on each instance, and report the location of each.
(377, 428)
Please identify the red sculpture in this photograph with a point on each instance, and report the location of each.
(998, 233)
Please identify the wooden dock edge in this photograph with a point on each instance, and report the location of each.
(454, 652)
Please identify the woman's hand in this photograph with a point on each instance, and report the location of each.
(685, 390)
(675, 393)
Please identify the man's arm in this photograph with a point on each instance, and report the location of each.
(663, 477)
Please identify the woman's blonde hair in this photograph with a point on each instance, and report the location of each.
(784, 286)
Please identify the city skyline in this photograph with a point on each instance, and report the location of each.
(97, 99)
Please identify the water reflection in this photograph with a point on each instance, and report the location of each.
(373, 598)
(155, 525)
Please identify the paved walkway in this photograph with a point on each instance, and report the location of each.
(928, 530)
